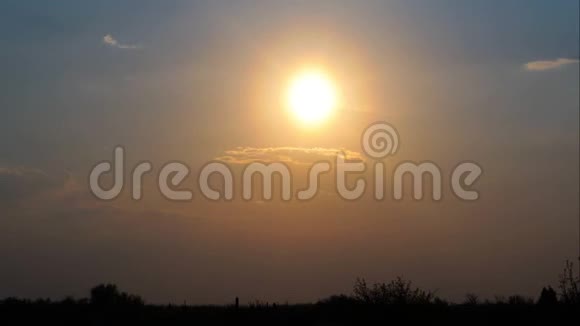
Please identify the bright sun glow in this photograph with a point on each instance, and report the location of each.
(312, 97)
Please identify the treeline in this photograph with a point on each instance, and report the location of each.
(368, 303)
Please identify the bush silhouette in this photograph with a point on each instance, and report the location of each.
(471, 299)
(519, 300)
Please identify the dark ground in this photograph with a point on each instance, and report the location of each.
(63, 313)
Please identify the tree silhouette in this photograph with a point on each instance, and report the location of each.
(569, 285)
(548, 296)
(398, 291)
(108, 294)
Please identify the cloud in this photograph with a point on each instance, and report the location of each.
(286, 154)
(17, 183)
(111, 41)
(543, 65)
(22, 186)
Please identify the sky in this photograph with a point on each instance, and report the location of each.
(494, 82)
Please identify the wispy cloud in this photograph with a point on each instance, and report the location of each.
(20, 184)
(286, 154)
(543, 65)
(113, 42)
(25, 189)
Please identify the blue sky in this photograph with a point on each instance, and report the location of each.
(49, 51)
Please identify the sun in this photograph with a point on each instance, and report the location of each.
(312, 96)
